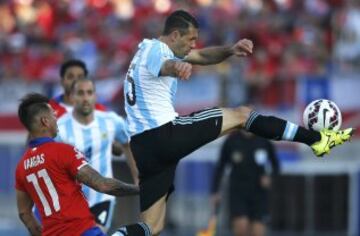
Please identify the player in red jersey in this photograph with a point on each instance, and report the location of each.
(70, 71)
(49, 175)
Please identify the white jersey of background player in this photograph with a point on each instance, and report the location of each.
(93, 132)
(94, 140)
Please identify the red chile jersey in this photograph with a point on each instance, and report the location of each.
(60, 108)
(47, 172)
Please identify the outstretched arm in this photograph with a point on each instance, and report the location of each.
(90, 177)
(214, 55)
(25, 204)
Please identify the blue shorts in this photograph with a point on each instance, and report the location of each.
(94, 231)
(98, 210)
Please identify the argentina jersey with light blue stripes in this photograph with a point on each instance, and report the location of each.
(149, 98)
(95, 141)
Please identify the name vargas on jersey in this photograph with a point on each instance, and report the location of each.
(34, 161)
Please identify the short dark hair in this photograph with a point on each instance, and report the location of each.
(81, 80)
(71, 63)
(30, 106)
(179, 20)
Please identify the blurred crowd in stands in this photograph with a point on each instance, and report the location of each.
(292, 38)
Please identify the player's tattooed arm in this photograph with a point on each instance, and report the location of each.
(90, 177)
(209, 55)
(214, 55)
(26, 215)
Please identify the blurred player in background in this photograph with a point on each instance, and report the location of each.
(50, 173)
(160, 138)
(248, 157)
(92, 132)
(71, 71)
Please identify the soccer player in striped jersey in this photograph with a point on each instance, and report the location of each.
(50, 175)
(70, 71)
(160, 138)
(93, 132)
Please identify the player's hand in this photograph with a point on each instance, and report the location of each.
(183, 70)
(243, 48)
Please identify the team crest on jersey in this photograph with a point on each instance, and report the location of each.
(104, 136)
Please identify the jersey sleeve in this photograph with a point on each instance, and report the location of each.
(156, 57)
(121, 133)
(72, 159)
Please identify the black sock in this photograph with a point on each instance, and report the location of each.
(271, 127)
(307, 136)
(138, 229)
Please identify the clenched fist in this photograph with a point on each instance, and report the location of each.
(183, 70)
(243, 48)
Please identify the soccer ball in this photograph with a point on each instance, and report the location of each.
(322, 114)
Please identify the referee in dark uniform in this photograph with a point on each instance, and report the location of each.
(251, 158)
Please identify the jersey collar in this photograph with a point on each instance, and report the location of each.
(38, 141)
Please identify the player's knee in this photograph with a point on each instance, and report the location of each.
(242, 114)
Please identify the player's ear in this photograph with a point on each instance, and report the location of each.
(175, 35)
(44, 121)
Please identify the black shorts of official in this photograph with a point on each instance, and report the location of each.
(158, 151)
(249, 202)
